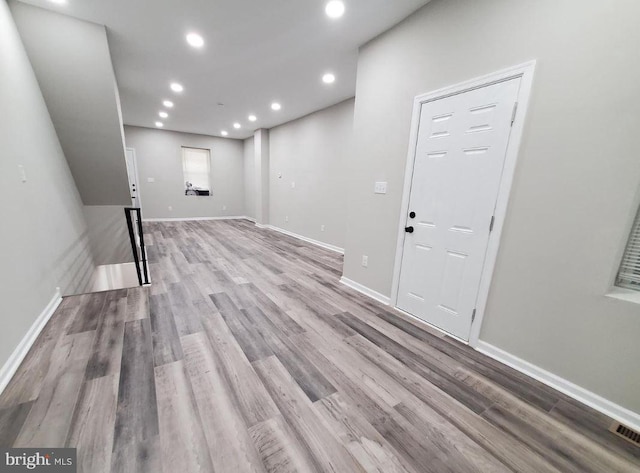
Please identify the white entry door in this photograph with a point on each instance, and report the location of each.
(132, 172)
(459, 158)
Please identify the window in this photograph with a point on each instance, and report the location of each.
(629, 274)
(196, 168)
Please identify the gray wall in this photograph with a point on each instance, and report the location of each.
(43, 242)
(249, 179)
(72, 62)
(576, 185)
(108, 234)
(159, 156)
(313, 152)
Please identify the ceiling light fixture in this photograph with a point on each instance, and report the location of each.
(328, 78)
(276, 106)
(224, 133)
(236, 126)
(176, 87)
(59, 2)
(252, 118)
(168, 103)
(163, 114)
(195, 40)
(334, 9)
(159, 124)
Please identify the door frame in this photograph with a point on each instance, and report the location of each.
(136, 175)
(523, 71)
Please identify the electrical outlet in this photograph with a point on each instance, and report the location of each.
(224, 207)
(293, 185)
(170, 208)
(286, 219)
(365, 260)
(151, 179)
(322, 228)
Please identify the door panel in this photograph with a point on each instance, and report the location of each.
(460, 152)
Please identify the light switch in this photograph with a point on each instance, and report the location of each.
(293, 185)
(151, 179)
(380, 188)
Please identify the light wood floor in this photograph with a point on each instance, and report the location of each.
(247, 355)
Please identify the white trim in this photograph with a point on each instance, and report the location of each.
(608, 408)
(13, 363)
(137, 176)
(194, 219)
(326, 246)
(365, 290)
(525, 72)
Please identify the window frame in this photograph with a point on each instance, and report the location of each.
(209, 189)
(630, 261)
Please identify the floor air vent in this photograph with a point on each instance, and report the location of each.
(626, 433)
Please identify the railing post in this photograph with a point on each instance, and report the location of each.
(127, 214)
(142, 248)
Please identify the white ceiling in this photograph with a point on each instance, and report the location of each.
(256, 52)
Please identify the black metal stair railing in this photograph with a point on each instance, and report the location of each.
(141, 258)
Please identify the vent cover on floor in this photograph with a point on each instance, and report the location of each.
(626, 433)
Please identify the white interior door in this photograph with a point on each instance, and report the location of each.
(132, 173)
(460, 153)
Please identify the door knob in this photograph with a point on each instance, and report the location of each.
(408, 229)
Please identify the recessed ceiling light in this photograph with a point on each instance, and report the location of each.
(168, 103)
(328, 78)
(252, 118)
(163, 114)
(276, 106)
(176, 87)
(334, 9)
(236, 126)
(59, 2)
(195, 40)
(159, 124)
(224, 133)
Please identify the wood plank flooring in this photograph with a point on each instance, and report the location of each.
(247, 355)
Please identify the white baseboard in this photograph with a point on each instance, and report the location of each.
(366, 291)
(194, 219)
(621, 414)
(608, 408)
(324, 245)
(13, 363)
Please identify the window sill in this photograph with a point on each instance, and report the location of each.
(623, 294)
